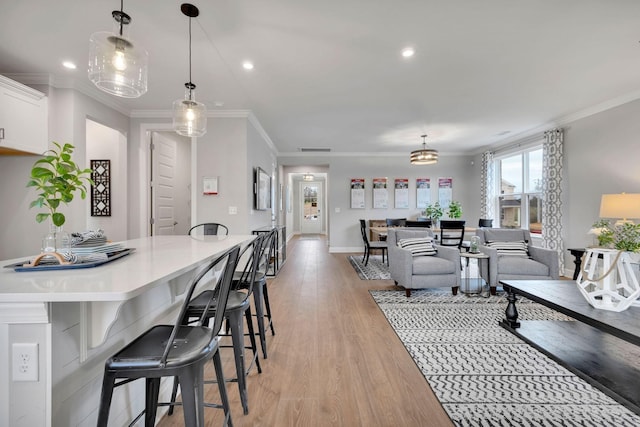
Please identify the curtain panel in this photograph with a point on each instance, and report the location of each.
(487, 186)
(552, 155)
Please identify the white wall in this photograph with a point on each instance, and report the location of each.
(20, 235)
(259, 154)
(602, 155)
(221, 153)
(104, 143)
(344, 227)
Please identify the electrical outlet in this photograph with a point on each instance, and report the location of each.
(25, 361)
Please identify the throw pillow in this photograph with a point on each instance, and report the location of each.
(517, 248)
(419, 246)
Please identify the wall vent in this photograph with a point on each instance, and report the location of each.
(315, 150)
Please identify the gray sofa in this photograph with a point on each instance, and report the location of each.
(438, 271)
(542, 264)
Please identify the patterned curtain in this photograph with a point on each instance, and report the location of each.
(487, 186)
(552, 192)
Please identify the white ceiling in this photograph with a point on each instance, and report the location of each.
(329, 74)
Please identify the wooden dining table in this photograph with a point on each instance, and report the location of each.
(381, 231)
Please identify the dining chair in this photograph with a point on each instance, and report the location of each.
(452, 232)
(485, 223)
(371, 246)
(418, 224)
(176, 350)
(396, 222)
(208, 229)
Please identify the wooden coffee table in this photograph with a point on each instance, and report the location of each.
(602, 347)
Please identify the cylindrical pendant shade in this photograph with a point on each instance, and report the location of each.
(189, 116)
(117, 66)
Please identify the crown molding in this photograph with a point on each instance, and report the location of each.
(164, 114)
(70, 83)
(256, 124)
(537, 133)
(360, 154)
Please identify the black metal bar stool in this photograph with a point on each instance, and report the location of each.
(237, 305)
(180, 351)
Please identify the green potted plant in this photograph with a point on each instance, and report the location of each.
(624, 237)
(434, 212)
(455, 210)
(56, 178)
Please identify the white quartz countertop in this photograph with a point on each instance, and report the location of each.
(155, 260)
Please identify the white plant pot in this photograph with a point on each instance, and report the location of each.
(611, 284)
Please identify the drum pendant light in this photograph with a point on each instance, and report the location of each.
(424, 156)
(189, 116)
(117, 65)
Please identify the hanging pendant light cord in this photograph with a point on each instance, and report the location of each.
(121, 14)
(190, 83)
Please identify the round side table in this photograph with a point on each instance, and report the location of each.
(475, 285)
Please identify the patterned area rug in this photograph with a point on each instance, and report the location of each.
(374, 270)
(486, 376)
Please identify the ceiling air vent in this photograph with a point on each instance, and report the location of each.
(315, 150)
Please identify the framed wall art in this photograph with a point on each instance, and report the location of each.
(101, 190)
(262, 189)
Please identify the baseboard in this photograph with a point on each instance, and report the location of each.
(345, 249)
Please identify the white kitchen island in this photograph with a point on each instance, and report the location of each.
(79, 317)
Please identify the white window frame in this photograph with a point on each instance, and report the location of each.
(525, 192)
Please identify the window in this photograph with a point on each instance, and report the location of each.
(520, 196)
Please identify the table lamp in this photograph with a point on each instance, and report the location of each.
(622, 206)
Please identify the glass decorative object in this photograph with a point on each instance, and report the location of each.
(475, 244)
(56, 240)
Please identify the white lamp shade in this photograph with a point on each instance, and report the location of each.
(620, 206)
(117, 66)
(189, 117)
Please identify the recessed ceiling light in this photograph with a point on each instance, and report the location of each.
(68, 64)
(247, 65)
(408, 52)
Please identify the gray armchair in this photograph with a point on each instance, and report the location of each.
(542, 264)
(437, 271)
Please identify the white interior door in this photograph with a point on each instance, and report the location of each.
(163, 174)
(311, 210)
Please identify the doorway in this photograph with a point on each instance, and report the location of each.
(169, 187)
(311, 210)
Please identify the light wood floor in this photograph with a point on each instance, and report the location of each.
(334, 360)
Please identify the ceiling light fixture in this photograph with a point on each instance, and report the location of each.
(308, 177)
(69, 65)
(408, 52)
(247, 65)
(189, 116)
(424, 156)
(116, 65)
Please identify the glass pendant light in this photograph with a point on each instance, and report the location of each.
(424, 156)
(116, 65)
(189, 116)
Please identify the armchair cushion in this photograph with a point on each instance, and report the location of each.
(432, 265)
(515, 248)
(418, 246)
(511, 265)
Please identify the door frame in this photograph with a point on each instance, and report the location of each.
(322, 200)
(145, 174)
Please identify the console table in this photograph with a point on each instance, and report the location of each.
(602, 347)
(279, 246)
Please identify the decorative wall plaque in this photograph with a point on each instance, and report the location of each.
(101, 190)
